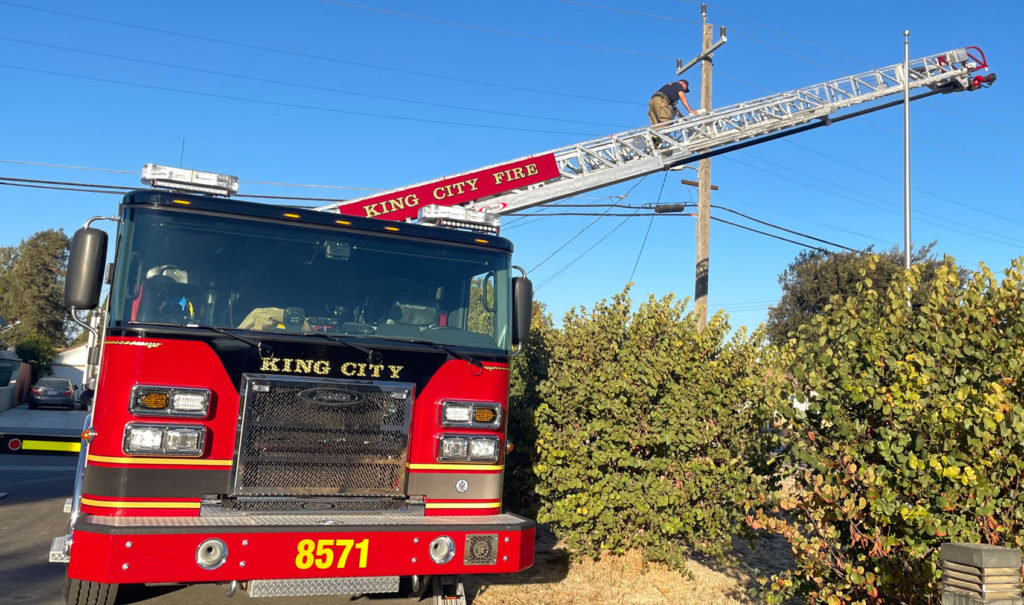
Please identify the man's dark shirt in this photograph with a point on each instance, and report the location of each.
(671, 90)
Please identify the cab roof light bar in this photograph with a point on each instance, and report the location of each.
(460, 218)
(183, 179)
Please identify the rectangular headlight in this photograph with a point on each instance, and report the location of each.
(148, 400)
(483, 415)
(484, 449)
(453, 448)
(164, 440)
(466, 448)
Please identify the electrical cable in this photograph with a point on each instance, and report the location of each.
(585, 252)
(580, 232)
(309, 55)
(96, 188)
(629, 12)
(692, 214)
(29, 186)
(846, 163)
(938, 222)
(781, 228)
(648, 232)
(779, 237)
(303, 86)
(136, 173)
(290, 105)
(496, 31)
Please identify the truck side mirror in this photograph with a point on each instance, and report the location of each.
(522, 309)
(85, 268)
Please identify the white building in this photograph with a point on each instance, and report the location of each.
(70, 363)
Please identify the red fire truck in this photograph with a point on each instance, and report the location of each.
(295, 401)
(315, 402)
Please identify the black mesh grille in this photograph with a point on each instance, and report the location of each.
(326, 505)
(303, 436)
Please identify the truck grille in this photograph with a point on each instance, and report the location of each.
(303, 436)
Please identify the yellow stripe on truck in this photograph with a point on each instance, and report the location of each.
(179, 461)
(134, 504)
(51, 446)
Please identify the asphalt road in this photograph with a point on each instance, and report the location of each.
(34, 489)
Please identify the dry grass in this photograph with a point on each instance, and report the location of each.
(620, 580)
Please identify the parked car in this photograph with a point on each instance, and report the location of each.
(52, 391)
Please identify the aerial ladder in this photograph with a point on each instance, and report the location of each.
(582, 167)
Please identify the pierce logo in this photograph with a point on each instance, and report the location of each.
(330, 397)
(493, 207)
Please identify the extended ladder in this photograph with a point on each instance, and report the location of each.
(635, 153)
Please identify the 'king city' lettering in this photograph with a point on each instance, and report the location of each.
(392, 205)
(323, 368)
(453, 189)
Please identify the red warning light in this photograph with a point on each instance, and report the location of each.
(14, 444)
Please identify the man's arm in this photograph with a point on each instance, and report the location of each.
(686, 104)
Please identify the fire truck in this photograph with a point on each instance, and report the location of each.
(315, 401)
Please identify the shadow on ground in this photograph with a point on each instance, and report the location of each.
(550, 566)
(766, 556)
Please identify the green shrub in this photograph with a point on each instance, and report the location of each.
(650, 434)
(913, 436)
(529, 369)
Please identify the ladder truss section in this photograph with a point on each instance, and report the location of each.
(627, 155)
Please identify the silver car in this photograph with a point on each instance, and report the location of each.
(52, 391)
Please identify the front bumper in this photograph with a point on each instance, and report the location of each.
(128, 550)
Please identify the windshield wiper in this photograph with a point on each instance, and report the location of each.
(259, 344)
(341, 340)
(252, 343)
(473, 361)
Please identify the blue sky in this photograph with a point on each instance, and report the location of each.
(360, 97)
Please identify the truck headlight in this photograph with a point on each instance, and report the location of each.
(484, 415)
(147, 400)
(164, 440)
(483, 449)
(454, 448)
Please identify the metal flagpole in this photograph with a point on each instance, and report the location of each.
(906, 149)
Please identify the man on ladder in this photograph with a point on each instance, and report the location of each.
(663, 103)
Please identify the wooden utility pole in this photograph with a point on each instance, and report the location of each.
(700, 294)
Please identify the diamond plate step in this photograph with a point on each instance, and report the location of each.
(59, 550)
(323, 586)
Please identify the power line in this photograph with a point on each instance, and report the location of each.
(580, 232)
(691, 214)
(629, 12)
(496, 31)
(585, 252)
(779, 237)
(958, 203)
(289, 105)
(779, 227)
(136, 173)
(648, 232)
(29, 186)
(310, 55)
(97, 188)
(939, 222)
(299, 84)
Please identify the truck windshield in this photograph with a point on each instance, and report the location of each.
(182, 268)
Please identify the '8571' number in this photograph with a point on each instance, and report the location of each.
(322, 553)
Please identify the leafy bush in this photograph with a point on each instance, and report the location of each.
(913, 436)
(650, 434)
(529, 369)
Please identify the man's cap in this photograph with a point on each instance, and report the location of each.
(685, 84)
